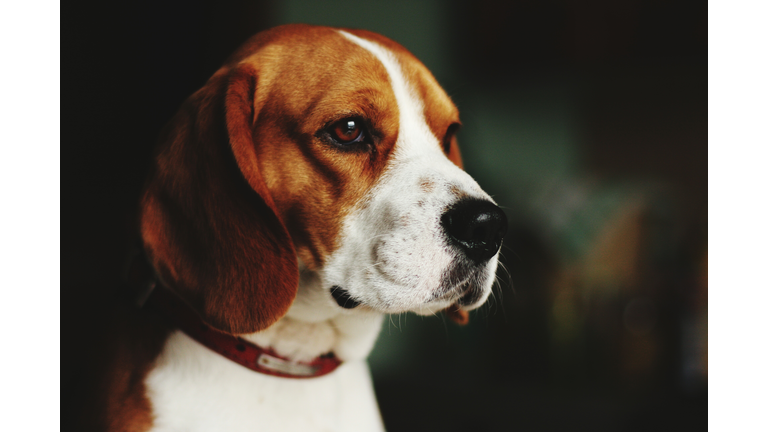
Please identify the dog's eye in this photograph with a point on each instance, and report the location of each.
(347, 131)
(452, 129)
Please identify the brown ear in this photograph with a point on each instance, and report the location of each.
(208, 222)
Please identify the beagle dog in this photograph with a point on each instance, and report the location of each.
(312, 186)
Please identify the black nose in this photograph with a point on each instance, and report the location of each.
(476, 227)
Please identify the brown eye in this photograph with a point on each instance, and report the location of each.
(347, 131)
(452, 129)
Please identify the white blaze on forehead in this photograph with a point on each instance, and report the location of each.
(416, 143)
(412, 121)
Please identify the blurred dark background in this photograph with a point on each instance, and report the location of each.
(586, 120)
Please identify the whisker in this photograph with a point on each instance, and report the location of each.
(504, 246)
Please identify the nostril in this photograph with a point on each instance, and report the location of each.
(476, 227)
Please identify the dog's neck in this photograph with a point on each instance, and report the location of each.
(315, 325)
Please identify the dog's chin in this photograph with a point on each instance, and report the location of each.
(464, 297)
(432, 308)
(347, 301)
(464, 288)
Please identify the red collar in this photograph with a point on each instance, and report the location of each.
(237, 349)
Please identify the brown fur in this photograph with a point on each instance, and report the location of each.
(113, 391)
(439, 111)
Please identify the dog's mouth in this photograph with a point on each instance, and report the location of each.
(343, 298)
(464, 294)
(461, 285)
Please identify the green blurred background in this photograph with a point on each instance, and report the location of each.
(586, 121)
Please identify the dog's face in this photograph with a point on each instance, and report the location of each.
(365, 171)
(348, 140)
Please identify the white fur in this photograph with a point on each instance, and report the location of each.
(195, 389)
(392, 256)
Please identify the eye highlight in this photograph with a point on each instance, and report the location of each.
(347, 131)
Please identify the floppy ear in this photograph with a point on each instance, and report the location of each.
(208, 222)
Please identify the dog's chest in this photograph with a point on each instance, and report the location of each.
(194, 389)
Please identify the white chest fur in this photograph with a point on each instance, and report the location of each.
(194, 389)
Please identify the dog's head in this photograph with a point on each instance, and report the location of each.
(334, 147)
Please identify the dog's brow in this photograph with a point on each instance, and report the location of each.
(411, 107)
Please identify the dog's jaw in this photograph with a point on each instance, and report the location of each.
(316, 325)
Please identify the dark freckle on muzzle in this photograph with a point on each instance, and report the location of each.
(426, 184)
(457, 191)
